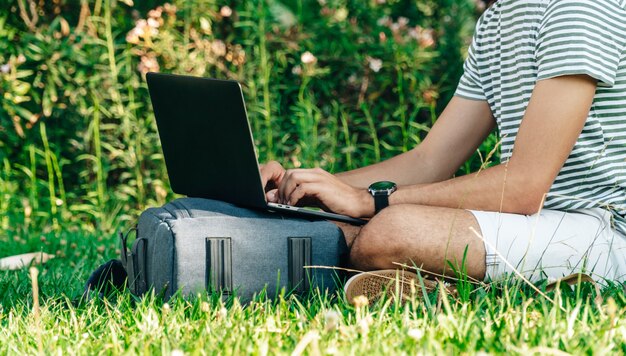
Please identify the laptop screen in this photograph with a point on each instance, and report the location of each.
(206, 139)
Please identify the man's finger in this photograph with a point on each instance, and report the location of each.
(296, 195)
(303, 191)
(271, 174)
(295, 177)
(272, 196)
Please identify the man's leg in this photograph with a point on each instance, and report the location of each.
(350, 232)
(417, 235)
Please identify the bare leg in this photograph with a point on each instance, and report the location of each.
(417, 235)
(350, 232)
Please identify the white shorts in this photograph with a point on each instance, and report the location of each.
(553, 244)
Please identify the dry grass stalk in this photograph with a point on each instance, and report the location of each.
(34, 274)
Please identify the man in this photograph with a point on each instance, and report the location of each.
(551, 74)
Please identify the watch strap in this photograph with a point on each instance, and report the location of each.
(381, 201)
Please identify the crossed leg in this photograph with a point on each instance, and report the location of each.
(417, 235)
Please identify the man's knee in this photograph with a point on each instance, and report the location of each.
(377, 240)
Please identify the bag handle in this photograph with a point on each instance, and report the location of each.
(139, 260)
(124, 245)
(134, 261)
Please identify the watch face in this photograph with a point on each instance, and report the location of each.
(384, 185)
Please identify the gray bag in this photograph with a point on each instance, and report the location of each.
(194, 245)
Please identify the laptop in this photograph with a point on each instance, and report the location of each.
(208, 146)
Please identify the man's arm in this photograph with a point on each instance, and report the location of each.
(552, 123)
(456, 135)
(460, 129)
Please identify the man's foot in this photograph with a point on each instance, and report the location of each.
(390, 282)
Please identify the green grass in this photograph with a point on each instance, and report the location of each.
(507, 318)
(79, 156)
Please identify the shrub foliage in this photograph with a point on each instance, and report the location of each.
(330, 83)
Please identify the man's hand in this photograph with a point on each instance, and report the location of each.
(272, 174)
(316, 187)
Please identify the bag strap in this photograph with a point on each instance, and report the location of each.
(218, 272)
(107, 278)
(124, 245)
(299, 259)
(134, 261)
(139, 259)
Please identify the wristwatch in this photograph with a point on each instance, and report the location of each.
(381, 192)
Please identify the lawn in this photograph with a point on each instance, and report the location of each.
(336, 84)
(504, 318)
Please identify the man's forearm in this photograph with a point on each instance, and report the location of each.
(409, 168)
(501, 188)
(454, 137)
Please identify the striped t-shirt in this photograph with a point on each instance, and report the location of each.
(517, 43)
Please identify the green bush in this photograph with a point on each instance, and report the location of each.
(330, 83)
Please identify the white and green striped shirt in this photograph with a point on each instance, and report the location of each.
(517, 43)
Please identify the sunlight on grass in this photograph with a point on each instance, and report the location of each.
(334, 84)
(507, 317)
